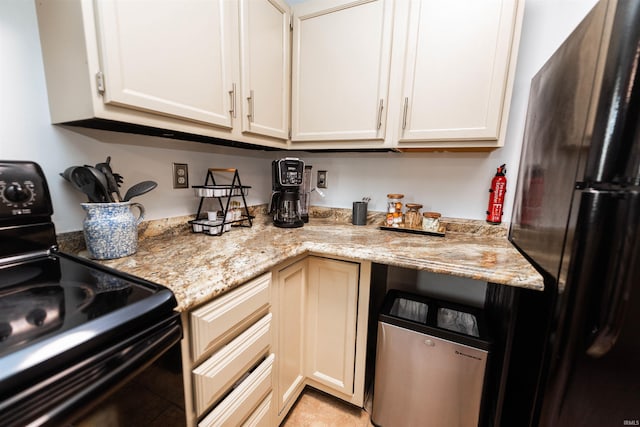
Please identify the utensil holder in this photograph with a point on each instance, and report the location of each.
(111, 229)
(359, 213)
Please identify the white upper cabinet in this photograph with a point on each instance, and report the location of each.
(353, 74)
(444, 82)
(455, 79)
(168, 67)
(170, 57)
(340, 73)
(265, 63)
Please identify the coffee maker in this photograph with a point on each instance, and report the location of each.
(287, 177)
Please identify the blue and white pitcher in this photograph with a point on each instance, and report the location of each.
(111, 229)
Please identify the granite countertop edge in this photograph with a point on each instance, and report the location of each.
(198, 267)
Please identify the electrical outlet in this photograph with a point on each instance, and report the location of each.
(322, 179)
(180, 175)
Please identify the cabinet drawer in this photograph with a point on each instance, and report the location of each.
(217, 322)
(240, 403)
(218, 373)
(261, 417)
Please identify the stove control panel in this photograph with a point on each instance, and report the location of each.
(24, 194)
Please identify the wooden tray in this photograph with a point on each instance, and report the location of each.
(439, 233)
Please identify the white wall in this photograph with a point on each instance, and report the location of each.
(455, 184)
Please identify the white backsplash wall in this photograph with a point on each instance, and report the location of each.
(455, 184)
(450, 183)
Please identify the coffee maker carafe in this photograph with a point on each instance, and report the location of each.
(287, 177)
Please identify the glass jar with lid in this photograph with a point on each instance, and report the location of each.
(431, 221)
(413, 217)
(394, 209)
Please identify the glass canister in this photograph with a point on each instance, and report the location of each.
(431, 221)
(413, 217)
(394, 209)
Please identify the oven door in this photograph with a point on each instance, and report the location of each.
(154, 397)
(66, 395)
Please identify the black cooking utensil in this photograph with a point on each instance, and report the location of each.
(67, 173)
(102, 186)
(139, 189)
(112, 181)
(86, 182)
(119, 179)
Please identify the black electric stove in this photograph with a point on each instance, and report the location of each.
(71, 330)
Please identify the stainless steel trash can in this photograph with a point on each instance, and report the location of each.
(430, 363)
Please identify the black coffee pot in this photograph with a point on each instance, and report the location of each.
(287, 177)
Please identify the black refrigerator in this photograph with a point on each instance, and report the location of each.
(576, 218)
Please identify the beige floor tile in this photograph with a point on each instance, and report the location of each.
(317, 409)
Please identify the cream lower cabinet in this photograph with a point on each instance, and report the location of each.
(290, 288)
(248, 354)
(229, 369)
(331, 319)
(321, 310)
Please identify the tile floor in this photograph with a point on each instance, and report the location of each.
(138, 404)
(316, 409)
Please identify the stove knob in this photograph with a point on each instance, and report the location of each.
(5, 331)
(36, 317)
(17, 193)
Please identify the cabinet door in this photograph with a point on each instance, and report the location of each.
(168, 57)
(265, 52)
(291, 295)
(340, 73)
(332, 310)
(456, 69)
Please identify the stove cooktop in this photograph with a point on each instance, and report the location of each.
(59, 303)
(52, 295)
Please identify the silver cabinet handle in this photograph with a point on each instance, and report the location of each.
(250, 101)
(380, 113)
(404, 114)
(232, 94)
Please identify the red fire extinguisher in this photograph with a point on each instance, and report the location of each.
(496, 196)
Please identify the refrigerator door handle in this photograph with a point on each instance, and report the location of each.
(606, 337)
(621, 277)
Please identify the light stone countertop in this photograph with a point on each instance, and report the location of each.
(198, 267)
